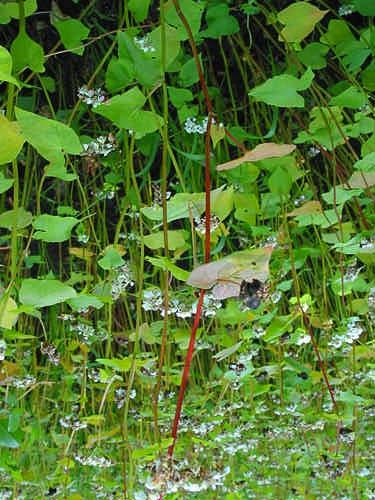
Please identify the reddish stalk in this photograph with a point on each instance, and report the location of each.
(190, 352)
(319, 358)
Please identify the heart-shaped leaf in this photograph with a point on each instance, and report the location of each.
(300, 19)
(43, 293)
(11, 139)
(52, 228)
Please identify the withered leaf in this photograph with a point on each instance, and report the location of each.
(226, 275)
(260, 152)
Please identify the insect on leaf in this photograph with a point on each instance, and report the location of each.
(226, 275)
(260, 152)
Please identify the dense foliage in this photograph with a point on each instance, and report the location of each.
(187, 249)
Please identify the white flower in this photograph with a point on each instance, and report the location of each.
(72, 422)
(192, 126)
(200, 224)
(345, 10)
(152, 299)
(3, 348)
(92, 97)
(305, 339)
(101, 146)
(122, 282)
(93, 461)
(51, 352)
(144, 43)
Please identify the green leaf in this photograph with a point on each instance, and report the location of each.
(339, 196)
(189, 74)
(282, 90)
(11, 140)
(10, 10)
(52, 139)
(111, 260)
(300, 19)
(6, 64)
(172, 44)
(121, 365)
(368, 76)
(350, 98)
(17, 218)
(191, 10)
(314, 55)
(167, 265)
(5, 183)
(144, 67)
(176, 239)
(8, 314)
(52, 228)
(125, 111)
(324, 128)
(119, 74)
(365, 7)
(59, 172)
(139, 9)
(220, 22)
(338, 32)
(72, 32)
(6, 439)
(182, 205)
(367, 164)
(277, 328)
(179, 97)
(247, 207)
(27, 54)
(225, 353)
(43, 293)
(83, 301)
(280, 181)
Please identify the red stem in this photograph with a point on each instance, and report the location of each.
(185, 374)
(190, 352)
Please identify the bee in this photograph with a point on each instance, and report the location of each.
(252, 293)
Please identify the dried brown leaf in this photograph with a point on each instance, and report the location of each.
(260, 152)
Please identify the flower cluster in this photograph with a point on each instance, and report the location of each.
(371, 304)
(181, 477)
(144, 44)
(191, 125)
(93, 461)
(313, 151)
(72, 422)
(346, 10)
(101, 146)
(157, 195)
(301, 199)
(181, 308)
(120, 396)
(3, 348)
(367, 243)
(352, 272)
(88, 333)
(21, 383)
(152, 299)
(107, 193)
(122, 281)
(200, 224)
(92, 97)
(349, 336)
(50, 351)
